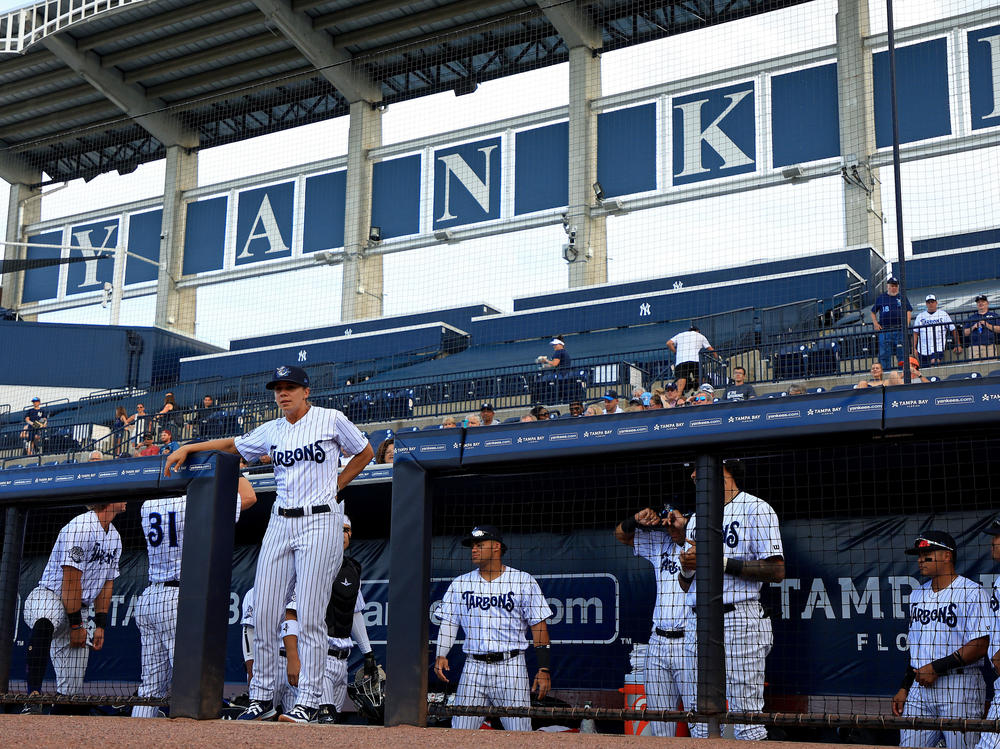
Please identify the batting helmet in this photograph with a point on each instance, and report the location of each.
(368, 693)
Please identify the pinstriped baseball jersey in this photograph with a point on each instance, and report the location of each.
(494, 613)
(750, 531)
(995, 610)
(941, 622)
(84, 545)
(305, 455)
(163, 526)
(670, 612)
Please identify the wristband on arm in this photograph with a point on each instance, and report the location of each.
(908, 676)
(75, 618)
(948, 663)
(101, 619)
(544, 657)
(732, 566)
(629, 524)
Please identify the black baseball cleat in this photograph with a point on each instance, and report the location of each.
(258, 710)
(31, 708)
(327, 715)
(299, 714)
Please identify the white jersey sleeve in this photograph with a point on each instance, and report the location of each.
(254, 445)
(248, 617)
(360, 604)
(534, 607)
(765, 535)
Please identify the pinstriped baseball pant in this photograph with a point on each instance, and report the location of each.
(503, 684)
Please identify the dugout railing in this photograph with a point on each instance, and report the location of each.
(210, 482)
(858, 453)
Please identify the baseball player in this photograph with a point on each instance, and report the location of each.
(68, 611)
(990, 740)
(753, 556)
(950, 622)
(494, 605)
(344, 620)
(658, 537)
(156, 612)
(301, 541)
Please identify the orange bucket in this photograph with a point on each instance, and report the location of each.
(635, 699)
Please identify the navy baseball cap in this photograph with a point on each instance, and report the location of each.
(486, 407)
(36, 399)
(982, 298)
(287, 373)
(894, 280)
(671, 386)
(932, 541)
(993, 529)
(484, 533)
(611, 395)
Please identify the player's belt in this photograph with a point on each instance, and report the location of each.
(496, 657)
(674, 634)
(297, 512)
(727, 608)
(172, 584)
(340, 653)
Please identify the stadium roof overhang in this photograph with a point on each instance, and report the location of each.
(94, 86)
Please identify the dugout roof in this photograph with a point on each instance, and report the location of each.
(93, 86)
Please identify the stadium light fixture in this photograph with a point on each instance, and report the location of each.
(444, 235)
(599, 192)
(375, 234)
(792, 172)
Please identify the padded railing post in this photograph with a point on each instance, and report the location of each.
(708, 575)
(10, 572)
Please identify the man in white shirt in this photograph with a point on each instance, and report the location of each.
(930, 331)
(687, 346)
(610, 402)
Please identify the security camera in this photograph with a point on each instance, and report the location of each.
(570, 253)
(572, 233)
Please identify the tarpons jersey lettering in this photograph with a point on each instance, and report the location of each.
(313, 452)
(947, 615)
(504, 601)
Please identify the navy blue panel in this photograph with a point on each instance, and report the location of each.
(861, 261)
(143, 239)
(324, 217)
(957, 241)
(626, 150)
(430, 338)
(467, 181)
(921, 93)
(396, 196)
(100, 236)
(541, 168)
(458, 317)
(205, 235)
(968, 266)
(804, 116)
(984, 80)
(264, 223)
(662, 306)
(42, 283)
(714, 133)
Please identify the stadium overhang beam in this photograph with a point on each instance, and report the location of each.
(15, 169)
(317, 46)
(572, 23)
(128, 97)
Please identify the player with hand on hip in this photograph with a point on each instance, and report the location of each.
(753, 556)
(344, 620)
(494, 605)
(156, 611)
(303, 537)
(949, 634)
(76, 583)
(658, 537)
(989, 739)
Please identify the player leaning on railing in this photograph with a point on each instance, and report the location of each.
(304, 535)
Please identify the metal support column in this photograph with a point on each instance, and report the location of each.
(24, 207)
(409, 595)
(10, 574)
(709, 488)
(362, 281)
(175, 308)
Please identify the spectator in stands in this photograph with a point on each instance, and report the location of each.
(169, 417)
(540, 412)
(472, 420)
(528, 417)
(642, 394)
(386, 451)
(35, 419)
(140, 422)
(487, 415)
(982, 327)
(167, 443)
(635, 404)
(887, 317)
(705, 396)
(739, 390)
(576, 408)
(594, 410)
(896, 378)
(147, 447)
(796, 388)
(205, 411)
(122, 431)
(95, 456)
(560, 356)
(930, 333)
(876, 377)
(449, 422)
(655, 402)
(610, 403)
(672, 396)
(687, 347)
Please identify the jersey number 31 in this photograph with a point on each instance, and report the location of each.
(155, 534)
